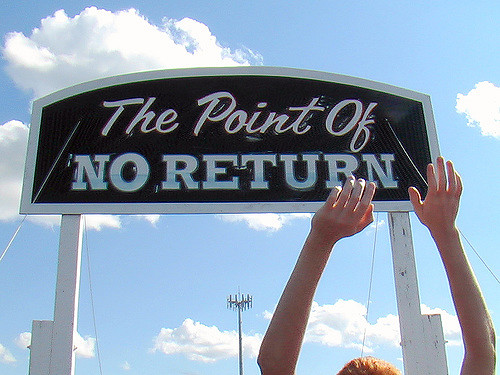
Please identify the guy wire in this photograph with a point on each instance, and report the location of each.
(13, 237)
(370, 285)
(91, 294)
(426, 185)
(477, 254)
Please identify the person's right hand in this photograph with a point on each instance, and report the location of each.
(346, 212)
(440, 208)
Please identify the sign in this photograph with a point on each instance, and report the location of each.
(246, 139)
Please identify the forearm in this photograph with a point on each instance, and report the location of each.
(280, 348)
(346, 211)
(475, 322)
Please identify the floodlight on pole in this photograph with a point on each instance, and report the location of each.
(241, 303)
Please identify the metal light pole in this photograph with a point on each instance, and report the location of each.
(241, 303)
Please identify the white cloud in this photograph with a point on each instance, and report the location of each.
(151, 219)
(98, 222)
(199, 342)
(376, 225)
(85, 347)
(451, 326)
(6, 356)
(93, 221)
(343, 324)
(23, 340)
(126, 366)
(49, 221)
(264, 222)
(13, 140)
(96, 43)
(481, 105)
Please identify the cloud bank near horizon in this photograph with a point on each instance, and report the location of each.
(199, 342)
(342, 324)
(84, 347)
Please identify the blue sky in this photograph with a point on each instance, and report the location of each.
(160, 282)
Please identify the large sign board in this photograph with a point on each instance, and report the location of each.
(246, 139)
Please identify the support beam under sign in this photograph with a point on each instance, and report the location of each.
(56, 338)
(422, 338)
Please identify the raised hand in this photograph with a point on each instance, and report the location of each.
(438, 212)
(346, 211)
(439, 209)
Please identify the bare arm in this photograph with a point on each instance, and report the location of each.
(345, 213)
(438, 212)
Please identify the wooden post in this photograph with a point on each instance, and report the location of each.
(57, 338)
(40, 347)
(421, 335)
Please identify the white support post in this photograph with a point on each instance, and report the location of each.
(53, 349)
(421, 336)
(67, 292)
(40, 347)
(434, 338)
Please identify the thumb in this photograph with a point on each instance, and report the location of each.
(415, 199)
(367, 218)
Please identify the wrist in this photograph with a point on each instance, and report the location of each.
(322, 242)
(444, 233)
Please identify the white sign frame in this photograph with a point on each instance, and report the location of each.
(27, 207)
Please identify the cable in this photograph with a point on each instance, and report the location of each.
(13, 237)
(91, 294)
(405, 153)
(370, 286)
(56, 161)
(477, 254)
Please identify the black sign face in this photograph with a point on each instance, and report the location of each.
(224, 140)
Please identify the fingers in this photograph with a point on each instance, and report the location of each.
(365, 206)
(332, 197)
(367, 197)
(346, 211)
(452, 176)
(415, 199)
(441, 174)
(356, 193)
(346, 192)
(431, 178)
(454, 180)
(360, 197)
(367, 218)
(459, 184)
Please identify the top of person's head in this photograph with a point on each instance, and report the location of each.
(369, 366)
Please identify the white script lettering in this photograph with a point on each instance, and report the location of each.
(143, 115)
(221, 105)
(359, 121)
